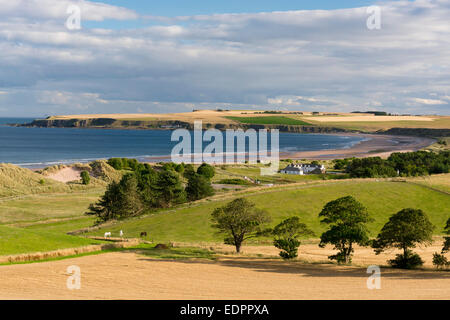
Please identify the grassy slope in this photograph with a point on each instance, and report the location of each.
(192, 224)
(17, 240)
(439, 181)
(44, 207)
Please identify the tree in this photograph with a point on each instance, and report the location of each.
(85, 177)
(446, 247)
(404, 231)
(198, 187)
(239, 220)
(121, 200)
(286, 235)
(439, 259)
(168, 189)
(206, 170)
(347, 219)
(188, 170)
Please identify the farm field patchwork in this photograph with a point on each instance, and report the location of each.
(270, 120)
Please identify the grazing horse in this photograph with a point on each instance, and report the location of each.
(107, 234)
(143, 234)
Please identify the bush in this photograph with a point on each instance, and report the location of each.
(440, 261)
(288, 246)
(410, 260)
(235, 181)
(116, 163)
(85, 177)
(206, 170)
(286, 235)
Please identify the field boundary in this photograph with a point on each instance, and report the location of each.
(39, 256)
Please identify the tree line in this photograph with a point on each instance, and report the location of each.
(407, 164)
(346, 219)
(144, 188)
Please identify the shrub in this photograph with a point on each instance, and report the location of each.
(407, 260)
(85, 177)
(288, 246)
(286, 234)
(206, 170)
(440, 261)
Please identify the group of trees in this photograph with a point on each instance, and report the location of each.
(439, 259)
(144, 188)
(417, 163)
(347, 221)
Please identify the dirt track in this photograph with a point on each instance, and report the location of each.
(131, 276)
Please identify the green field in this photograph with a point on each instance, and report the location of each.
(270, 120)
(40, 222)
(41, 207)
(20, 240)
(192, 223)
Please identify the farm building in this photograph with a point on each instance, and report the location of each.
(301, 169)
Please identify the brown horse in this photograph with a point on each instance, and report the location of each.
(143, 234)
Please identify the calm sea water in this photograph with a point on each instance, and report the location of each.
(38, 147)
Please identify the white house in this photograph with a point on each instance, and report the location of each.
(301, 169)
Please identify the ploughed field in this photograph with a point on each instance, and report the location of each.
(129, 275)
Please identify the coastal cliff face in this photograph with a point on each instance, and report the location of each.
(419, 132)
(106, 123)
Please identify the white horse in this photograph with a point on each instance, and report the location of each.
(121, 233)
(107, 234)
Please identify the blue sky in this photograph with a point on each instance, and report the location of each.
(173, 8)
(136, 56)
(195, 7)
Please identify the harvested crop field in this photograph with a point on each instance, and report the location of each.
(127, 275)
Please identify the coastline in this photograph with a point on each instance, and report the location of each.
(373, 146)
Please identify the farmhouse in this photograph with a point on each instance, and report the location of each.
(301, 169)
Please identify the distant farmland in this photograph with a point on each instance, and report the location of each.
(270, 120)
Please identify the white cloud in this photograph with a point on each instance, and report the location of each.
(57, 9)
(429, 101)
(325, 60)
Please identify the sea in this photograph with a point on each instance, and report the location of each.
(42, 147)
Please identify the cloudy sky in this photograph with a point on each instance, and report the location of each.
(176, 55)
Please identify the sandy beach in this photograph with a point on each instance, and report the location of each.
(372, 146)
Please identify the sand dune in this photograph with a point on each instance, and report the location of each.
(67, 174)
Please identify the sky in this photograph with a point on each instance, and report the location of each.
(139, 56)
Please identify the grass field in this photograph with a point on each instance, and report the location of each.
(439, 181)
(18, 240)
(192, 224)
(41, 207)
(270, 120)
(40, 222)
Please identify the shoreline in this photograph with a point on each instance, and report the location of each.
(373, 145)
